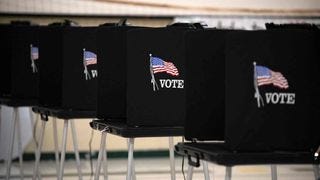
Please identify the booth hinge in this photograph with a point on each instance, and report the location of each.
(194, 163)
(44, 117)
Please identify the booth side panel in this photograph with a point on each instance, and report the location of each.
(50, 61)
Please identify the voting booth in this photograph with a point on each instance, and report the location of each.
(68, 78)
(155, 76)
(142, 75)
(272, 100)
(244, 91)
(68, 84)
(19, 78)
(260, 106)
(141, 86)
(20, 53)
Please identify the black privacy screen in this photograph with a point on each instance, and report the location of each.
(20, 54)
(155, 77)
(51, 62)
(80, 77)
(205, 85)
(5, 49)
(112, 82)
(68, 76)
(25, 62)
(272, 86)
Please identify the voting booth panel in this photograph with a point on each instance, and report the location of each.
(20, 51)
(155, 77)
(272, 87)
(205, 90)
(25, 62)
(80, 69)
(68, 79)
(51, 42)
(5, 49)
(112, 81)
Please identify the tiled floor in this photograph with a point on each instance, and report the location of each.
(158, 168)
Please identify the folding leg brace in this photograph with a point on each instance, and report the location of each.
(36, 171)
(130, 166)
(131, 169)
(102, 156)
(63, 148)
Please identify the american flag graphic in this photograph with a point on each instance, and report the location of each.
(265, 76)
(159, 65)
(89, 58)
(34, 53)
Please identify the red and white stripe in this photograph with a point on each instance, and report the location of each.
(34, 56)
(90, 61)
(168, 67)
(276, 78)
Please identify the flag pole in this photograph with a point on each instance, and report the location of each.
(316, 154)
(34, 67)
(31, 58)
(257, 93)
(85, 66)
(153, 81)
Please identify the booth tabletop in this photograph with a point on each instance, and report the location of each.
(64, 113)
(219, 154)
(18, 102)
(122, 129)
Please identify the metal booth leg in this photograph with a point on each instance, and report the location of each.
(105, 164)
(190, 172)
(76, 150)
(228, 173)
(55, 140)
(9, 160)
(38, 151)
(205, 170)
(32, 119)
(31, 116)
(316, 171)
(100, 155)
(212, 170)
(0, 120)
(63, 148)
(130, 168)
(172, 163)
(19, 144)
(274, 172)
